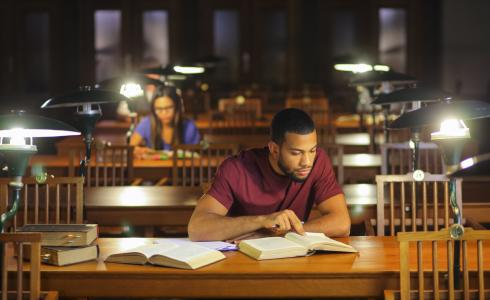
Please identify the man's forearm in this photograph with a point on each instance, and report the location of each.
(213, 227)
(330, 224)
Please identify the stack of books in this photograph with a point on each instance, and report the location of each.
(65, 244)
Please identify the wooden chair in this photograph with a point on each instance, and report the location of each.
(233, 105)
(308, 103)
(396, 158)
(195, 165)
(413, 205)
(236, 122)
(335, 153)
(19, 240)
(435, 276)
(58, 200)
(110, 165)
(243, 141)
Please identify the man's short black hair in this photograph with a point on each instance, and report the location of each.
(291, 120)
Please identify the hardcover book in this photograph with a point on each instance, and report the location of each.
(62, 256)
(71, 235)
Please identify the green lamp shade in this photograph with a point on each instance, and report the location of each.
(115, 83)
(436, 113)
(373, 78)
(473, 166)
(33, 126)
(424, 94)
(18, 127)
(168, 72)
(82, 97)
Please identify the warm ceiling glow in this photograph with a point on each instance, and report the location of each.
(189, 70)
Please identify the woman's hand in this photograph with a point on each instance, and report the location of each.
(140, 151)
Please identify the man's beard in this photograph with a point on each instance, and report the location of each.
(289, 173)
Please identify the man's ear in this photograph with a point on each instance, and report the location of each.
(273, 149)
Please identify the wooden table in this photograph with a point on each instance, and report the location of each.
(172, 207)
(366, 274)
(150, 207)
(360, 167)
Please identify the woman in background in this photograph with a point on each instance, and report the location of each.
(165, 126)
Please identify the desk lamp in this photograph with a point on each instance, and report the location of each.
(387, 81)
(131, 86)
(451, 139)
(373, 78)
(415, 95)
(17, 131)
(87, 101)
(166, 74)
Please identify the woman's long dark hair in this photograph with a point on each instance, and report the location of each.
(176, 123)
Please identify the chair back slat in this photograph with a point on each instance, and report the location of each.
(420, 268)
(466, 276)
(424, 205)
(435, 268)
(481, 279)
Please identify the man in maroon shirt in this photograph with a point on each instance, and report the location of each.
(270, 191)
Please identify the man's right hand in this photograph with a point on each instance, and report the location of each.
(283, 221)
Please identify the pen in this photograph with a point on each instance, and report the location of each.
(277, 225)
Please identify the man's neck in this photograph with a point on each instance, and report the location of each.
(275, 166)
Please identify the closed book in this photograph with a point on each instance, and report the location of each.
(291, 245)
(168, 254)
(62, 256)
(71, 235)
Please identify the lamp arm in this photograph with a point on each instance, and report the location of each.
(17, 186)
(131, 128)
(416, 148)
(84, 163)
(386, 113)
(456, 231)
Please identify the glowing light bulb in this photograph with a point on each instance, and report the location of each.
(451, 128)
(189, 70)
(17, 137)
(131, 90)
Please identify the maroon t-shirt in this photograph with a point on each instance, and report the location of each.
(247, 185)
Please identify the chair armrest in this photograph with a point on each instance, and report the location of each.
(474, 224)
(49, 295)
(368, 227)
(162, 181)
(137, 181)
(390, 294)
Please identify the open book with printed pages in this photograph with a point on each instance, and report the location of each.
(291, 245)
(168, 254)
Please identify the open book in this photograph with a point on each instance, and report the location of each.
(291, 245)
(184, 256)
